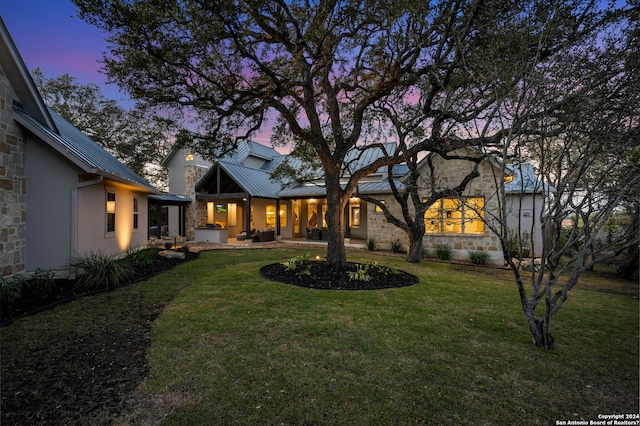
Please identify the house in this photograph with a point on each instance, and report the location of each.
(61, 194)
(463, 223)
(236, 195)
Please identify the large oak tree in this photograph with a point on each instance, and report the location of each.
(319, 69)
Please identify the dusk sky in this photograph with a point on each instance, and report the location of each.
(50, 36)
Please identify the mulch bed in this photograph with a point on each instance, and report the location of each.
(34, 300)
(323, 276)
(83, 377)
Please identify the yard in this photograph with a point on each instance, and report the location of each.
(211, 342)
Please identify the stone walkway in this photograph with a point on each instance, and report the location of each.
(243, 245)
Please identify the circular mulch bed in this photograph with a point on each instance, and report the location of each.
(323, 276)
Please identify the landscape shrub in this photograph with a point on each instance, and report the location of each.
(98, 270)
(140, 258)
(44, 279)
(479, 257)
(298, 264)
(396, 246)
(371, 244)
(443, 251)
(11, 288)
(360, 274)
(519, 247)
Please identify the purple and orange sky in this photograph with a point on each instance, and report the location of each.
(50, 36)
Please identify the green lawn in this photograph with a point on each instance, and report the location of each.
(232, 348)
(453, 349)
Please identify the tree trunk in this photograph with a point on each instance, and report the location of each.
(414, 253)
(336, 200)
(630, 265)
(541, 333)
(545, 339)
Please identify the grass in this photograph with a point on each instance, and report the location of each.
(454, 349)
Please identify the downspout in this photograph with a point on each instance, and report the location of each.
(74, 218)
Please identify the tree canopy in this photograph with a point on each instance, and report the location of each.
(323, 72)
(136, 137)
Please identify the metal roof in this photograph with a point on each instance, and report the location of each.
(524, 181)
(80, 149)
(256, 182)
(312, 190)
(169, 199)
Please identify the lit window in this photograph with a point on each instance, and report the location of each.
(378, 208)
(355, 216)
(432, 218)
(283, 216)
(135, 213)
(455, 216)
(233, 211)
(210, 212)
(189, 157)
(111, 212)
(271, 216)
(473, 215)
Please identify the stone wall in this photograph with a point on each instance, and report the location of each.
(196, 211)
(448, 173)
(13, 186)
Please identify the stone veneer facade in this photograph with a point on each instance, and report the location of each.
(194, 211)
(449, 174)
(13, 186)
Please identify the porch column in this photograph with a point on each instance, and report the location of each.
(277, 217)
(247, 215)
(158, 218)
(347, 224)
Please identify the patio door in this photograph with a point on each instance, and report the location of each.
(296, 217)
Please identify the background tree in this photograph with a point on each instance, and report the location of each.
(137, 137)
(586, 152)
(319, 67)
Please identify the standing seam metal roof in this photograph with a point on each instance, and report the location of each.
(84, 150)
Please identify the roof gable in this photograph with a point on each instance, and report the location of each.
(80, 149)
(255, 182)
(21, 80)
(525, 181)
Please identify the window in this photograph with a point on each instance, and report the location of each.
(313, 216)
(271, 216)
(232, 215)
(283, 216)
(455, 216)
(379, 209)
(135, 213)
(188, 157)
(355, 216)
(210, 212)
(111, 212)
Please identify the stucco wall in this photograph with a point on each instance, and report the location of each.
(92, 228)
(13, 186)
(524, 213)
(50, 180)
